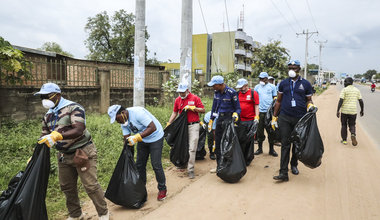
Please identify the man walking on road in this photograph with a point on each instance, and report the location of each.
(347, 103)
(267, 92)
(294, 100)
(193, 105)
(64, 126)
(225, 106)
(148, 134)
(249, 104)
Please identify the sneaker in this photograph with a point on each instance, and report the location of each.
(105, 217)
(161, 195)
(343, 142)
(353, 139)
(81, 217)
(191, 174)
(213, 170)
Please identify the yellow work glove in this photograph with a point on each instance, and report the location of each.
(167, 124)
(311, 107)
(189, 107)
(274, 122)
(210, 125)
(202, 124)
(51, 139)
(257, 118)
(235, 116)
(132, 140)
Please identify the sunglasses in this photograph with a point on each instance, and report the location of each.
(47, 96)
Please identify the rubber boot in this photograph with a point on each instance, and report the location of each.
(272, 151)
(260, 150)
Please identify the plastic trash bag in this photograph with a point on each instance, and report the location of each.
(27, 200)
(246, 132)
(11, 187)
(201, 152)
(125, 187)
(268, 120)
(177, 136)
(232, 165)
(307, 140)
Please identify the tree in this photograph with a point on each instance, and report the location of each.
(13, 66)
(358, 76)
(54, 47)
(112, 38)
(270, 58)
(369, 73)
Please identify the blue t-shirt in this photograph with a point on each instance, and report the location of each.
(207, 119)
(266, 94)
(138, 120)
(301, 89)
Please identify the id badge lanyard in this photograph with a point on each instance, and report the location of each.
(293, 101)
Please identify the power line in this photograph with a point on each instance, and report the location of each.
(283, 16)
(312, 17)
(290, 9)
(229, 33)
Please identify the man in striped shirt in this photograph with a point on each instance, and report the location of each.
(347, 103)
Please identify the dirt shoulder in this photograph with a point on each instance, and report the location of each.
(345, 186)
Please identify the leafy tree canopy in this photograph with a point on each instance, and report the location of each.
(271, 58)
(13, 67)
(369, 73)
(112, 38)
(54, 47)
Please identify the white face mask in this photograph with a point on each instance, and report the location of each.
(262, 83)
(48, 104)
(292, 74)
(125, 123)
(184, 96)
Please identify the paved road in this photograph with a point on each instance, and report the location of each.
(370, 122)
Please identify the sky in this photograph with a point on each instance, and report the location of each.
(350, 27)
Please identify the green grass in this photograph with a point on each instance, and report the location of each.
(17, 141)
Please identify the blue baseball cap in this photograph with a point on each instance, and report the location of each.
(48, 88)
(216, 80)
(182, 87)
(112, 110)
(263, 75)
(294, 62)
(241, 82)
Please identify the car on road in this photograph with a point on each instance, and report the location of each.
(333, 82)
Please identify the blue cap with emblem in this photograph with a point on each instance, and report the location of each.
(216, 80)
(182, 87)
(263, 75)
(48, 88)
(112, 111)
(241, 82)
(294, 62)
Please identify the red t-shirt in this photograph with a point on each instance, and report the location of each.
(247, 105)
(192, 100)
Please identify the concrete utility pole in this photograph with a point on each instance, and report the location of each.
(308, 35)
(186, 41)
(320, 63)
(139, 55)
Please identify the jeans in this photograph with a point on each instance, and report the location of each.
(351, 121)
(287, 124)
(155, 151)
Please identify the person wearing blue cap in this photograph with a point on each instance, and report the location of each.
(249, 104)
(148, 134)
(210, 134)
(192, 104)
(267, 92)
(64, 126)
(225, 106)
(294, 100)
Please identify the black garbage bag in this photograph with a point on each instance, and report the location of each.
(125, 187)
(201, 152)
(232, 165)
(177, 136)
(268, 120)
(11, 187)
(27, 199)
(307, 140)
(246, 132)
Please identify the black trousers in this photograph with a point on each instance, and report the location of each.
(349, 120)
(260, 130)
(220, 126)
(210, 140)
(287, 124)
